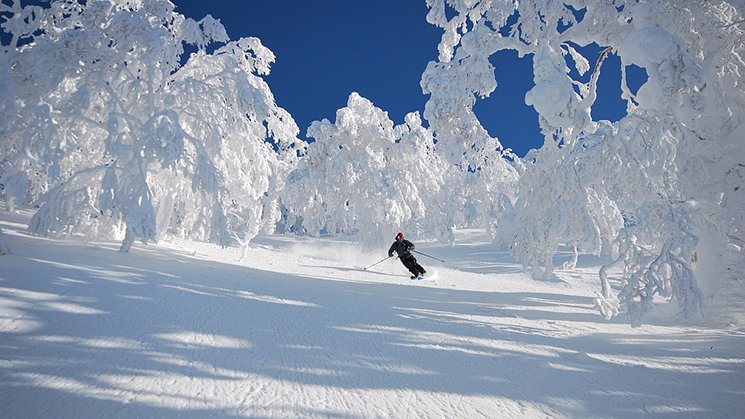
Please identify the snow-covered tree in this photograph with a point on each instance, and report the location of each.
(563, 197)
(364, 176)
(562, 200)
(482, 180)
(677, 154)
(367, 177)
(103, 117)
(29, 148)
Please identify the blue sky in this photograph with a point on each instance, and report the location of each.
(327, 49)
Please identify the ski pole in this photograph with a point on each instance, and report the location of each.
(380, 261)
(424, 254)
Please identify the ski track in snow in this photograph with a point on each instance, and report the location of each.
(186, 330)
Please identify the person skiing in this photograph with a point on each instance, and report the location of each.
(403, 248)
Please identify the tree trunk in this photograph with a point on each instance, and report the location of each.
(4, 249)
(129, 239)
(572, 263)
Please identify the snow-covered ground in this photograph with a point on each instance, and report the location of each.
(299, 329)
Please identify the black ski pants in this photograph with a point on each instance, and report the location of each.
(412, 265)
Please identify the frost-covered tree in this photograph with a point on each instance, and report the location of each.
(481, 181)
(692, 106)
(675, 158)
(482, 187)
(465, 73)
(103, 117)
(364, 176)
(562, 196)
(562, 200)
(26, 156)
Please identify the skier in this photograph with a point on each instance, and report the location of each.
(403, 247)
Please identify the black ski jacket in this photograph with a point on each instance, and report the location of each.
(401, 248)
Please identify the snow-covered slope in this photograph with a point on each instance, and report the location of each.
(299, 329)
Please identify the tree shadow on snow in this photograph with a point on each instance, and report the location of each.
(156, 333)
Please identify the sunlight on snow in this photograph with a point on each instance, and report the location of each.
(274, 300)
(113, 276)
(207, 340)
(108, 342)
(37, 300)
(565, 367)
(708, 365)
(72, 308)
(12, 320)
(164, 396)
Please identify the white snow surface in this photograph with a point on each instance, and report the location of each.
(301, 329)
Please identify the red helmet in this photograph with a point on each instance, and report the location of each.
(400, 234)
